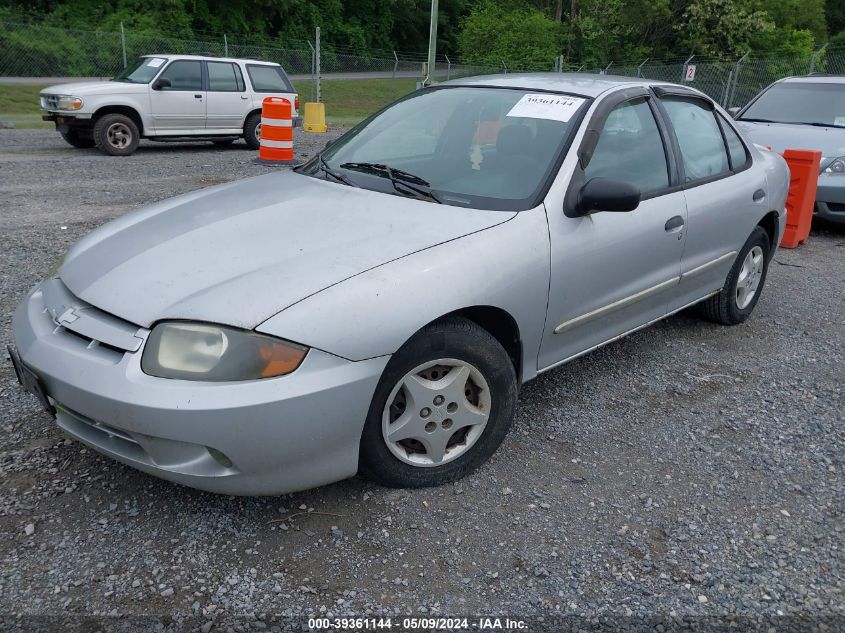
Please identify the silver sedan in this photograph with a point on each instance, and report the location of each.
(377, 309)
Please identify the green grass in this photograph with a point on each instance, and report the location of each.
(347, 100)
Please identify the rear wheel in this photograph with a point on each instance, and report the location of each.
(116, 134)
(252, 130)
(737, 298)
(442, 407)
(77, 139)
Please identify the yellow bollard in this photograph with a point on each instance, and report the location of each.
(315, 117)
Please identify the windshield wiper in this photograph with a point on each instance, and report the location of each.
(759, 120)
(399, 178)
(324, 167)
(817, 124)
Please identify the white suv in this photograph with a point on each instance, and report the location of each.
(168, 98)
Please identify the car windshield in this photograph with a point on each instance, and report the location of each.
(800, 102)
(142, 71)
(486, 148)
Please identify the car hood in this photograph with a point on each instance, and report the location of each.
(830, 141)
(83, 88)
(239, 253)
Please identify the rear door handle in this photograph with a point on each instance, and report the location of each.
(197, 96)
(759, 195)
(673, 224)
(244, 97)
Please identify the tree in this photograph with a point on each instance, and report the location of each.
(721, 28)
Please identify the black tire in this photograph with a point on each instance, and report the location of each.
(77, 139)
(224, 142)
(723, 307)
(251, 130)
(451, 338)
(116, 134)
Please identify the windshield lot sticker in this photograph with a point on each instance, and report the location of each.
(155, 62)
(546, 106)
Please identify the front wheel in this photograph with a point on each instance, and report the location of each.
(737, 298)
(442, 407)
(116, 134)
(77, 139)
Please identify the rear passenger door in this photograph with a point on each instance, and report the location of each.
(725, 196)
(227, 100)
(177, 99)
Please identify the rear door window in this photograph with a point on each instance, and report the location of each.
(225, 77)
(699, 137)
(268, 79)
(736, 149)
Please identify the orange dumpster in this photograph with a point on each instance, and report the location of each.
(804, 179)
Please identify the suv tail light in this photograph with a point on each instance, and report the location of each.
(296, 102)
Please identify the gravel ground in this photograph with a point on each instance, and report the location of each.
(688, 475)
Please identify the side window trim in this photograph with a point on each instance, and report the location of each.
(680, 162)
(599, 118)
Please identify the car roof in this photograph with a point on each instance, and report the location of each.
(584, 84)
(212, 58)
(815, 79)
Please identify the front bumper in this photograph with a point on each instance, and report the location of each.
(830, 198)
(268, 436)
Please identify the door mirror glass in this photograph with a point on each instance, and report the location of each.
(606, 194)
(161, 83)
(733, 111)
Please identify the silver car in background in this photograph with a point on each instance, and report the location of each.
(377, 309)
(805, 113)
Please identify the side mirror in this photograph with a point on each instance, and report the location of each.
(734, 111)
(161, 83)
(606, 194)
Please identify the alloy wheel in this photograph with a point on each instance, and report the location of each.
(749, 277)
(119, 135)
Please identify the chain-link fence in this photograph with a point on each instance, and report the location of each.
(34, 50)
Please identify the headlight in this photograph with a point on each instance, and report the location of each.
(836, 167)
(214, 353)
(69, 103)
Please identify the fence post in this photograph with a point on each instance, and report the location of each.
(313, 70)
(724, 101)
(684, 69)
(732, 92)
(225, 46)
(123, 43)
(448, 67)
(813, 59)
(504, 65)
(317, 62)
(395, 64)
(579, 68)
(640, 67)
(604, 72)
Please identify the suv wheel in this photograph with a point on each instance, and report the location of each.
(116, 134)
(77, 139)
(252, 130)
(442, 407)
(742, 288)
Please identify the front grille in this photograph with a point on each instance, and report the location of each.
(51, 102)
(101, 435)
(81, 325)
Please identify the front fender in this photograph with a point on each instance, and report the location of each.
(375, 312)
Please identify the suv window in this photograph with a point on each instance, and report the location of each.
(702, 147)
(183, 75)
(268, 79)
(736, 149)
(630, 149)
(225, 77)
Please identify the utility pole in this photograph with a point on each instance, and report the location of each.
(432, 45)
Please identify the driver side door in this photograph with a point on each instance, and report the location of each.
(612, 272)
(178, 103)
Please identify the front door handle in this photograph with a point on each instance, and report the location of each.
(673, 224)
(244, 97)
(759, 195)
(197, 96)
